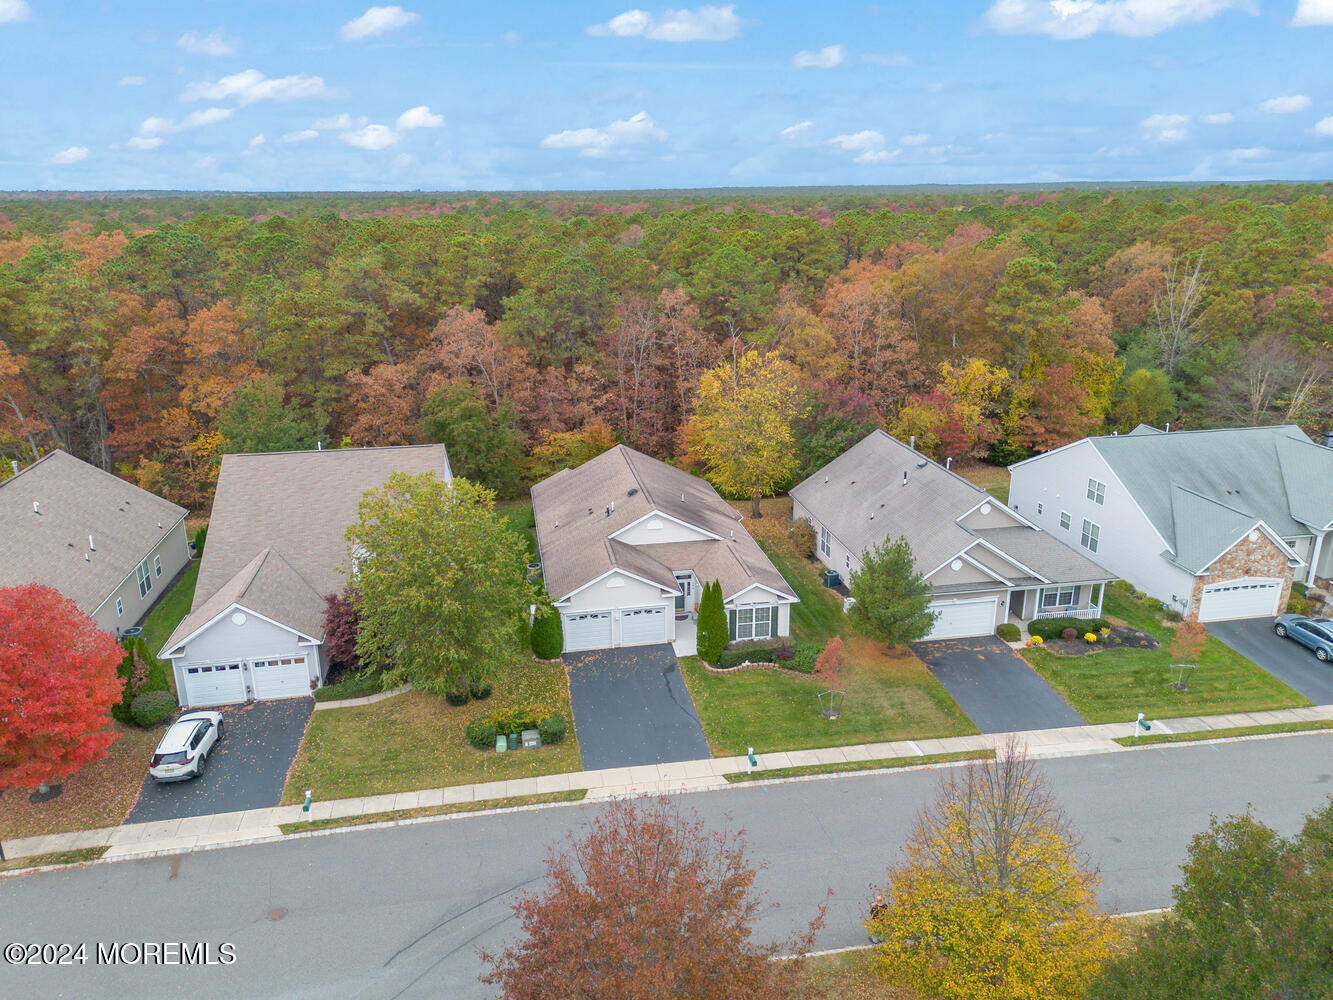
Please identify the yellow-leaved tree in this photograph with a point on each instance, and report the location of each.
(994, 900)
(742, 425)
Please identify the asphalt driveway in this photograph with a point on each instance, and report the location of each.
(246, 770)
(995, 687)
(631, 706)
(1285, 659)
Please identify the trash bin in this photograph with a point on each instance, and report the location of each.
(831, 578)
(513, 741)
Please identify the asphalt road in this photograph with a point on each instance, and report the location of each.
(247, 769)
(995, 686)
(399, 913)
(1285, 659)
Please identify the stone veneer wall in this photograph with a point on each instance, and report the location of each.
(1260, 557)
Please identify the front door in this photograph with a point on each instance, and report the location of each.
(684, 600)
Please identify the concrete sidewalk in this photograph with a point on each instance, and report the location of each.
(183, 835)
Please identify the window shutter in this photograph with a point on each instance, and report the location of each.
(731, 624)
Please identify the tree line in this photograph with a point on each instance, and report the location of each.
(151, 334)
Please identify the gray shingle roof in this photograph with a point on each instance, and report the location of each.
(1274, 474)
(77, 500)
(299, 505)
(861, 499)
(574, 528)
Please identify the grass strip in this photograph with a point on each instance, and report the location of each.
(884, 764)
(512, 802)
(1222, 734)
(58, 858)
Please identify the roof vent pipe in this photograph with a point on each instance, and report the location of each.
(87, 558)
(613, 506)
(36, 507)
(904, 477)
(912, 443)
(682, 498)
(319, 445)
(14, 463)
(947, 463)
(733, 535)
(1168, 428)
(872, 515)
(91, 546)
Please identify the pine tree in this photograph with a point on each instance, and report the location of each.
(712, 634)
(892, 598)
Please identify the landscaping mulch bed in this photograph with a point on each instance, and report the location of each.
(1120, 637)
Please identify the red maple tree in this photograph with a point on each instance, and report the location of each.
(57, 685)
(649, 904)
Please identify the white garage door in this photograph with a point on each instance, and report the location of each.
(642, 626)
(281, 677)
(957, 619)
(216, 684)
(1251, 597)
(589, 630)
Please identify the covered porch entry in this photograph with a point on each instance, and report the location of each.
(1065, 600)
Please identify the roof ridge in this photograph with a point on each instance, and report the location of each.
(100, 471)
(628, 454)
(33, 465)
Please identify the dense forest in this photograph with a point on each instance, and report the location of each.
(150, 334)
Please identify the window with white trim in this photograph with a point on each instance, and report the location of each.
(1064, 519)
(120, 607)
(145, 578)
(1091, 535)
(754, 622)
(157, 565)
(1059, 597)
(1096, 491)
(825, 541)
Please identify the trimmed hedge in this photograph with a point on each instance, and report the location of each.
(548, 635)
(807, 655)
(457, 698)
(552, 730)
(748, 653)
(1009, 632)
(482, 731)
(155, 678)
(480, 691)
(1050, 628)
(152, 708)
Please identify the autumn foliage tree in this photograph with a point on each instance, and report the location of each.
(649, 904)
(993, 898)
(57, 685)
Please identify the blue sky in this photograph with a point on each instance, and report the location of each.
(306, 95)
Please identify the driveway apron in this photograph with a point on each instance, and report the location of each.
(1285, 659)
(631, 707)
(995, 687)
(246, 770)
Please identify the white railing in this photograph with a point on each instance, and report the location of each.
(1082, 613)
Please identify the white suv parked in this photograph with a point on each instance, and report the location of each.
(186, 746)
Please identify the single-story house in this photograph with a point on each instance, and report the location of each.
(276, 547)
(1213, 523)
(104, 543)
(986, 564)
(626, 544)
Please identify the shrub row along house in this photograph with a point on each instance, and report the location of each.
(626, 544)
(1215, 524)
(110, 547)
(276, 546)
(986, 564)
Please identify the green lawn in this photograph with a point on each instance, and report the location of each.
(1115, 684)
(416, 740)
(883, 764)
(169, 611)
(994, 479)
(1225, 734)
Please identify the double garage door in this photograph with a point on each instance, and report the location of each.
(225, 683)
(960, 619)
(1252, 597)
(594, 629)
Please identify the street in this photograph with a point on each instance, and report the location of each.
(399, 913)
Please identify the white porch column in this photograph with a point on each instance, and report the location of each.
(1101, 595)
(1314, 557)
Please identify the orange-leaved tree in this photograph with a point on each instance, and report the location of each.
(994, 898)
(648, 904)
(57, 685)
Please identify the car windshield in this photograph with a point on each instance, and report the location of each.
(168, 758)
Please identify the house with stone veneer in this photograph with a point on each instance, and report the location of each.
(1213, 523)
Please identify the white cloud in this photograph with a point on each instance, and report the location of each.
(72, 155)
(1312, 13)
(212, 44)
(14, 10)
(797, 129)
(1066, 19)
(599, 142)
(205, 162)
(708, 23)
(1165, 128)
(251, 85)
(852, 142)
(300, 135)
(826, 58)
(1220, 118)
(339, 123)
(131, 81)
(145, 142)
(887, 59)
(915, 139)
(156, 126)
(419, 117)
(1287, 105)
(371, 137)
(165, 126)
(1324, 126)
(258, 140)
(376, 21)
(511, 39)
(1250, 153)
(872, 156)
